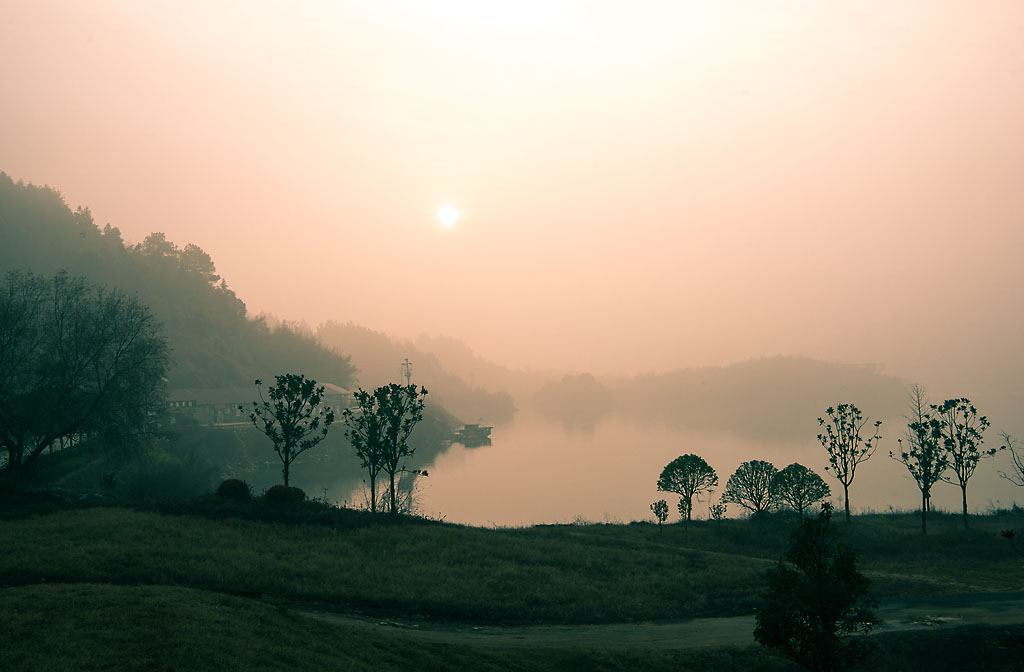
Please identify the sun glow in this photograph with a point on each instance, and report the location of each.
(448, 216)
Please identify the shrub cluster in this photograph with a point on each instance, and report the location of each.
(234, 489)
(284, 495)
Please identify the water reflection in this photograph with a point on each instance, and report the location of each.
(539, 471)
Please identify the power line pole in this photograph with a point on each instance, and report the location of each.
(407, 371)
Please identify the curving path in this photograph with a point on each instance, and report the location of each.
(897, 614)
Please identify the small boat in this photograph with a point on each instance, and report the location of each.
(473, 435)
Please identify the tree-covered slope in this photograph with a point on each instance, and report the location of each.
(378, 358)
(213, 341)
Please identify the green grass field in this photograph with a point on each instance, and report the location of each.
(87, 627)
(547, 574)
(141, 583)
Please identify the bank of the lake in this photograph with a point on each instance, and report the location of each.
(537, 470)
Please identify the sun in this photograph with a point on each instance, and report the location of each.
(448, 216)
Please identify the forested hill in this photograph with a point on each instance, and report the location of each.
(378, 357)
(213, 342)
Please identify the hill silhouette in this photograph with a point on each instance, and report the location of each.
(767, 399)
(213, 341)
(378, 357)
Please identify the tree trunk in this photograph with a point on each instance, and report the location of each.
(394, 500)
(846, 500)
(963, 490)
(924, 513)
(285, 472)
(373, 493)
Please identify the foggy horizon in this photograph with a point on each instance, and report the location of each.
(640, 190)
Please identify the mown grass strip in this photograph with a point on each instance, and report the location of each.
(88, 627)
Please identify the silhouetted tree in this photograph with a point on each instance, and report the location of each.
(1010, 536)
(76, 359)
(660, 511)
(751, 486)
(364, 429)
(961, 428)
(402, 409)
(684, 508)
(718, 512)
(687, 475)
(845, 446)
(379, 429)
(924, 454)
(292, 418)
(815, 599)
(799, 487)
(1017, 477)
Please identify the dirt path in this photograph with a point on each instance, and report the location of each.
(902, 614)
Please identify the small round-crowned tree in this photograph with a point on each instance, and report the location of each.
(799, 487)
(751, 486)
(687, 476)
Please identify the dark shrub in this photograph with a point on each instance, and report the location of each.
(234, 489)
(283, 495)
(160, 475)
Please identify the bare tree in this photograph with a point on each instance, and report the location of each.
(800, 487)
(1017, 477)
(924, 454)
(845, 445)
(76, 359)
(961, 429)
(687, 476)
(751, 486)
(293, 418)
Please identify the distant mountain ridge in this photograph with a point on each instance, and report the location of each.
(771, 398)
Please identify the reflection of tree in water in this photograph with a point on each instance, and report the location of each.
(578, 402)
(406, 496)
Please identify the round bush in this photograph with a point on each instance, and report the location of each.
(283, 495)
(235, 489)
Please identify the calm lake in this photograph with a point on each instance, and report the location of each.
(539, 471)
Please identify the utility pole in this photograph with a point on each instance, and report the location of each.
(407, 370)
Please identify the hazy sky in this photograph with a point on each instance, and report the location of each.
(644, 185)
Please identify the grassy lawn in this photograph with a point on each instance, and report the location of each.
(88, 627)
(546, 574)
(433, 571)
